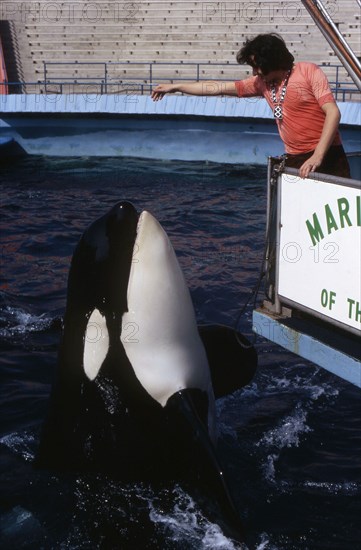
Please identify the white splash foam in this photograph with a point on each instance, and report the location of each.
(19, 322)
(346, 488)
(308, 383)
(22, 444)
(265, 543)
(287, 434)
(186, 523)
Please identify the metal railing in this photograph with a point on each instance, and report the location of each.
(107, 79)
(148, 69)
(90, 87)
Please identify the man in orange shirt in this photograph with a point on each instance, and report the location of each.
(299, 95)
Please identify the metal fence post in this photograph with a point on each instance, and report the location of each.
(45, 75)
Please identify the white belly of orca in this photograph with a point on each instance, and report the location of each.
(159, 332)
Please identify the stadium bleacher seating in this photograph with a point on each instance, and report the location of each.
(177, 33)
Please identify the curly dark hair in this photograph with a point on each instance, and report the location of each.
(268, 52)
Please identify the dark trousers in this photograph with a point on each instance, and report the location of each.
(334, 163)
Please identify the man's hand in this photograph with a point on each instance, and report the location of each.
(159, 91)
(310, 165)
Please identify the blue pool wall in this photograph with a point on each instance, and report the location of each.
(215, 129)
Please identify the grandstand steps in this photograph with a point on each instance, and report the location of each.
(161, 31)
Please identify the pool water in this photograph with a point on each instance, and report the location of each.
(290, 440)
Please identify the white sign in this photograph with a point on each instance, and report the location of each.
(320, 248)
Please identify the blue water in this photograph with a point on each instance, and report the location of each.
(290, 440)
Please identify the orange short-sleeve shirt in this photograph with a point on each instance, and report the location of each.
(303, 118)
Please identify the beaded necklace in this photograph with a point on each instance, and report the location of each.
(277, 111)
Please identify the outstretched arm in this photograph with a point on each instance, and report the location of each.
(202, 88)
(328, 133)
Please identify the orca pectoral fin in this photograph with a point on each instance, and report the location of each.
(200, 463)
(231, 357)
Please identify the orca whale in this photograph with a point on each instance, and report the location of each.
(136, 382)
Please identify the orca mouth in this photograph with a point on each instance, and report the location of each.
(142, 219)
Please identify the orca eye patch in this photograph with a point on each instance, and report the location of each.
(96, 344)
